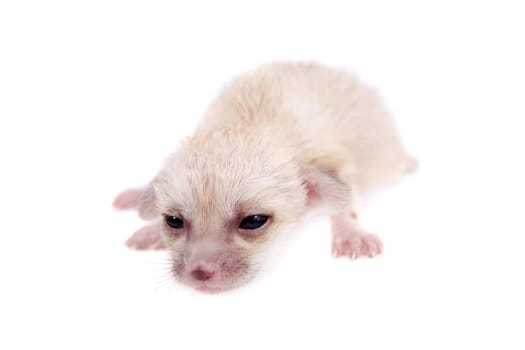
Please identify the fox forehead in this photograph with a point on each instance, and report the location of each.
(207, 189)
(223, 197)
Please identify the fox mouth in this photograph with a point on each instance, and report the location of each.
(216, 284)
(222, 279)
(209, 289)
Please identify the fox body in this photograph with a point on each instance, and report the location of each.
(275, 143)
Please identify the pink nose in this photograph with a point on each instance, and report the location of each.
(201, 274)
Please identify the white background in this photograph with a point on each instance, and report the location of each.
(94, 94)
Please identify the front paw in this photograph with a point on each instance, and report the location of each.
(356, 244)
(147, 238)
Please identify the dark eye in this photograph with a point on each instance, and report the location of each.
(253, 222)
(174, 222)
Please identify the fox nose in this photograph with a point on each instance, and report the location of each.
(202, 274)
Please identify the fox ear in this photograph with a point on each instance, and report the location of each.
(147, 207)
(325, 190)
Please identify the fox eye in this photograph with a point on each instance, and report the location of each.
(174, 221)
(253, 222)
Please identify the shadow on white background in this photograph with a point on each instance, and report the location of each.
(94, 95)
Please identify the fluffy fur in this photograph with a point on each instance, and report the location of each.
(277, 141)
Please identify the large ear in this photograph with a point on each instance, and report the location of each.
(128, 199)
(325, 190)
(148, 204)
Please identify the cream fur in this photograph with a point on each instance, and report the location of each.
(326, 116)
(278, 141)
